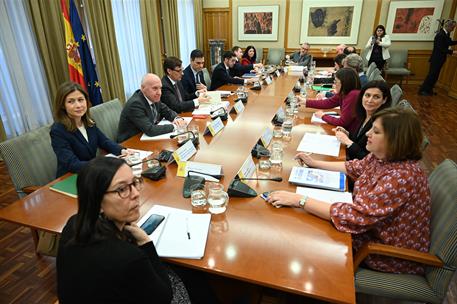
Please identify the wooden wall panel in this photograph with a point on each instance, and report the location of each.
(418, 60)
(217, 24)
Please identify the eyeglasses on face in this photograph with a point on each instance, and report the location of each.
(179, 70)
(125, 190)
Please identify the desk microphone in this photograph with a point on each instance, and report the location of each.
(194, 138)
(274, 179)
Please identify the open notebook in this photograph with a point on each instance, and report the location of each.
(182, 234)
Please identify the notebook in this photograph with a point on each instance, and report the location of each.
(66, 186)
(318, 178)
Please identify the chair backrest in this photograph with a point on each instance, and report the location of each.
(378, 77)
(398, 59)
(443, 188)
(106, 116)
(213, 67)
(375, 74)
(370, 69)
(396, 93)
(406, 105)
(207, 77)
(275, 55)
(259, 55)
(363, 54)
(30, 159)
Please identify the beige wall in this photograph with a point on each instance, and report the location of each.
(294, 23)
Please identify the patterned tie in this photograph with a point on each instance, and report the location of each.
(154, 113)
(178, 92)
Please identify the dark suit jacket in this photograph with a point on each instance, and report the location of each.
(358, 149)
(239, 69)
(170, 97)
(221, 77)
(441, 45)
(137, 117)
(73, 151)
(188, 80)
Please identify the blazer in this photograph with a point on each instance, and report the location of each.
(73, 151)
(385, 43)
(441, 45)
(302, 60)
(239, 69)
(221, 77)
(109, 271)
(170, 97)
(348, 119)
(188, 80)
(246, 61)
(358, 149)
(137, 117)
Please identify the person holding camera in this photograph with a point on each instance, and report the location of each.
(378, 47)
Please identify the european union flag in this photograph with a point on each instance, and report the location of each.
(90, 74)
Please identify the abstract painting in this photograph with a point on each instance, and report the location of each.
(258, 23)
(413, 20)
(328, 22)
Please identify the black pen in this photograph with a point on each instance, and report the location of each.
(187, 228)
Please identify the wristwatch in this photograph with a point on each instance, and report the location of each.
(302, 201)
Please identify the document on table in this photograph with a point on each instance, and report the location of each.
(207, 108)
(318, 178)
(327, 196)
(182, 234)
(315, 119)
(319, 144)
(166, 135)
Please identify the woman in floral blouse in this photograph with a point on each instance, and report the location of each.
(391, 197)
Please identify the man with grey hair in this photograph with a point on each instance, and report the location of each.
(355, 62)
(302, 57)
(440, 51)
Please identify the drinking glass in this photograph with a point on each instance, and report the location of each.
(217, 198)
(287, 126)
(277, 131)
(276, 153)
(198, 196)
(180, 130)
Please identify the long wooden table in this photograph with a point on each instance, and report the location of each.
(284, 248)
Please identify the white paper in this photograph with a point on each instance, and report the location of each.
(266, 137)
(318, 178)
(296, 68)
(216, 126)
(224, 94)
(315, 119)
(206, 109)
(171, 239)
(248, 168)
(239, 107)
(203, 168)
(319, 144)
(213, 96)
(166, 135)
(327, 196)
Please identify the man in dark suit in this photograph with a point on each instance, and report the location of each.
(193, 79)
(440, 51)
(238, 69)
(221, 74)
(143, 111)
(173, 93)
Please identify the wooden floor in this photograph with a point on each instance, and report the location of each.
(26, 278)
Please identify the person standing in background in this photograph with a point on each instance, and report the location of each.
(378, 47)
(440, 51)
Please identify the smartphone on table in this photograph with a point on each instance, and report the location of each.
(152, 223)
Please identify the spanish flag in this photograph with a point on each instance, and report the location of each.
(80, 64)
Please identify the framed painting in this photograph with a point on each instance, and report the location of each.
(259, 23)
(330, 22)
(413, 20)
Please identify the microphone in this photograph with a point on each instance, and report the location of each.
(194, 138)
(274, 179)
(217, 113)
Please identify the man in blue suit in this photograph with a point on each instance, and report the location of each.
(193, 79)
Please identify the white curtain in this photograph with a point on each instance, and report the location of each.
(129, 37)
(24, 95)
(187, 41)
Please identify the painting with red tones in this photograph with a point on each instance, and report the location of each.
(413, 20)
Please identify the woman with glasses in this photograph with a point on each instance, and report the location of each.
(374, 96)
(103, 256)
(75, 137)
(391, 197)
(347, 88)
(378, 47)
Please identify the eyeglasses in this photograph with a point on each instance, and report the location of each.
(124, 191)
(178, 70)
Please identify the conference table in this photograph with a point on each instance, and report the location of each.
(280, 248)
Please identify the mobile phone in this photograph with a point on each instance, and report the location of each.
(152, 223)
(265, 195)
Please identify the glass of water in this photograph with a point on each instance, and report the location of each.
(276, 153)
(182, 136)
(198, 196)
(287, 126)
(217, 198)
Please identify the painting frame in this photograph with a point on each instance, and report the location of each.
(306, 29)
(272, 33)
(394, 6)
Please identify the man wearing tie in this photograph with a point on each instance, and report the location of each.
(193, 79)
(441, 45)
(173, 93)
(143, 111)
(221, 73)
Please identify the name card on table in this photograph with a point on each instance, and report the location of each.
(248, 168)
(238, 107)
(277, 73)
(210, 172)
(214, 127)
(185, 152)
(266, 137)
(268, 80)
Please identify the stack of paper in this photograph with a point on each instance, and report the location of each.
(327, 196)
(315, 119)
(181, 235)
(164, 136)
(207, 108)
(319, 144)
(318, 178)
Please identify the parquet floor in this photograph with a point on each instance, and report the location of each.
(26, 278)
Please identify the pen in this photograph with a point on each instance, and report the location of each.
(187, 228)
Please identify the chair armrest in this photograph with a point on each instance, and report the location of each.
(30, 189)
(396, 252)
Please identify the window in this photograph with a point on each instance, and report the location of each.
(186, 19)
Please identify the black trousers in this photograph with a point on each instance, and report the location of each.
(432, 77)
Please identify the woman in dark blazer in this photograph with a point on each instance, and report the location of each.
(74, 136)
(374, 97)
